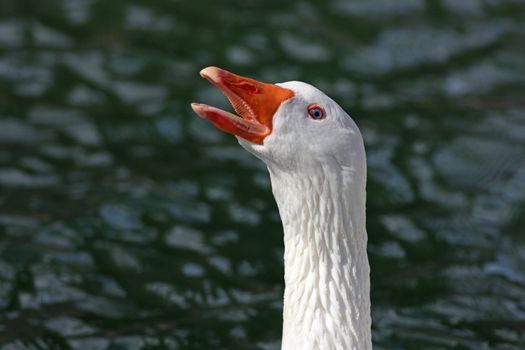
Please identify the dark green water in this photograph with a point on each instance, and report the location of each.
(128, 223)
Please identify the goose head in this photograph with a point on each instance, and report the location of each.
(292, 126)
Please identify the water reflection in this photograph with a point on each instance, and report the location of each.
(128, 223)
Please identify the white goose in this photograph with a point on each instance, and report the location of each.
(316, 159)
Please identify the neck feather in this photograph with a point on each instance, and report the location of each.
(327, 294)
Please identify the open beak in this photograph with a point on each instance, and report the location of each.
(254, 102)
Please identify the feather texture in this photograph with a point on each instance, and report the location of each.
(326, 300)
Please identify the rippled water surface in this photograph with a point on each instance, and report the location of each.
(128, 223)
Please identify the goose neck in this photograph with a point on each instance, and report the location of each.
(327, 284)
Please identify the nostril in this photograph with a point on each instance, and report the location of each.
(247, 87)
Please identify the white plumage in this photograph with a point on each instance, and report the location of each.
(318, 175)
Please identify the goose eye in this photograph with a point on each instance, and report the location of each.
(316, 112)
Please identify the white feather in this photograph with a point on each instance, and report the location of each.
(318, 174)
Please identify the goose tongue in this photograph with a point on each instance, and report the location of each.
(254, 102)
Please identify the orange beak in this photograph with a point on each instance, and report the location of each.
(254, 102)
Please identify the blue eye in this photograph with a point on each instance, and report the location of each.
(316, 112)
